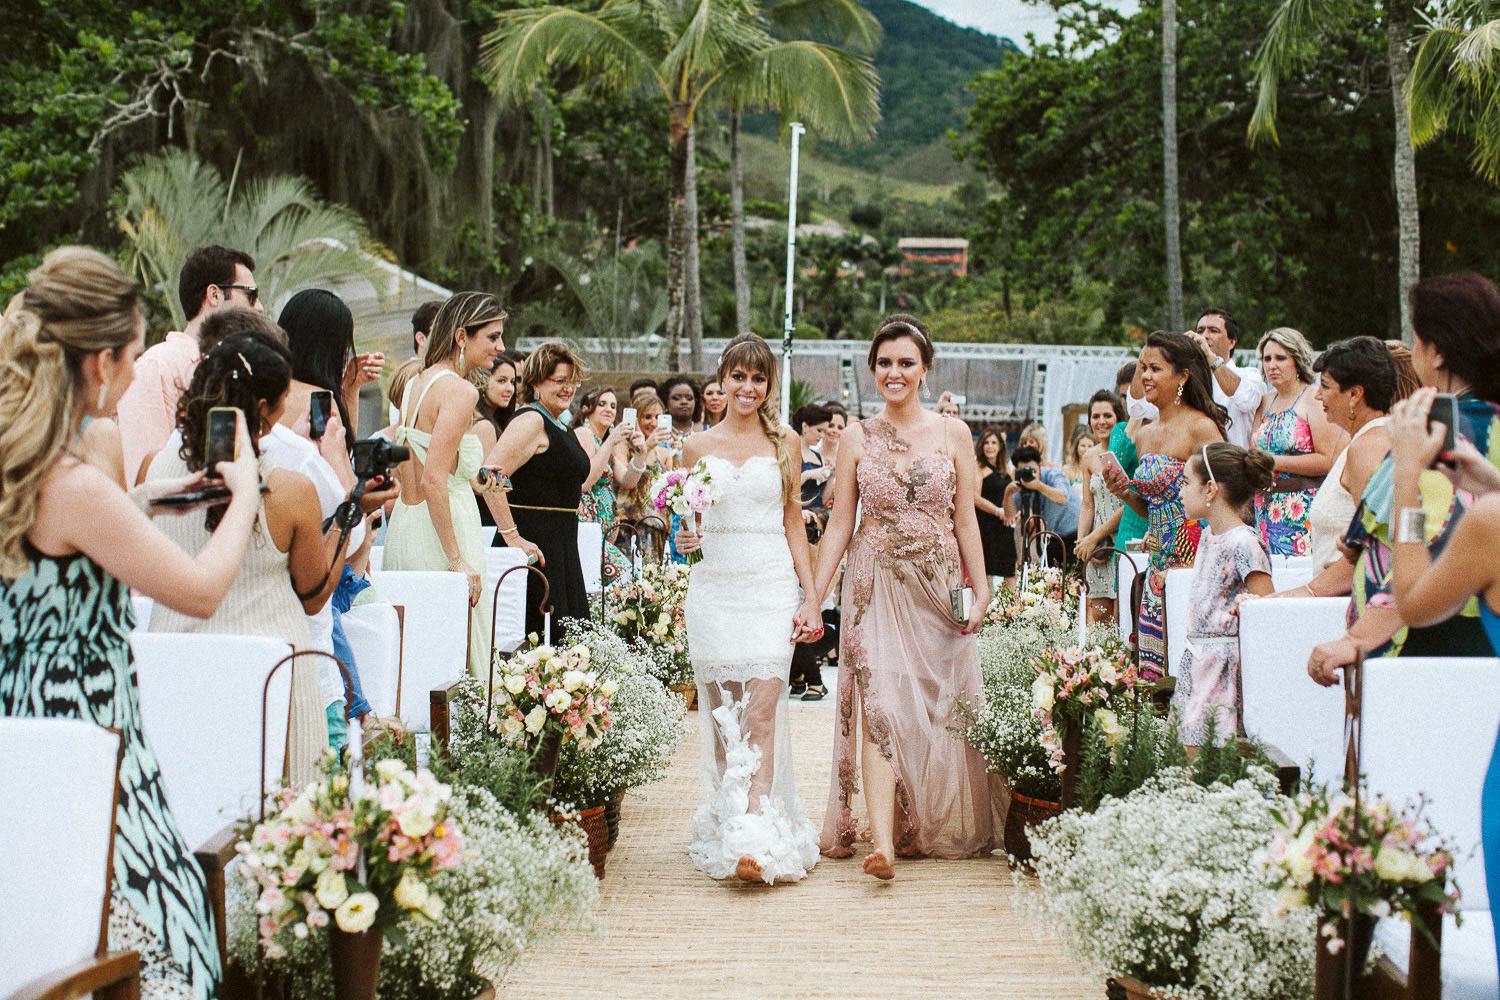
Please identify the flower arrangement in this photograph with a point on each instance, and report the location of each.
(1075, 681)
(648, 611)
(358, 850)
(1007, 733)
(1388, 863)
(1043, 599)
(1163, 886)
(521, 880)
(544, 691)
(685, 492)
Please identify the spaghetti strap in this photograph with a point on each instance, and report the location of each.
(415, 410)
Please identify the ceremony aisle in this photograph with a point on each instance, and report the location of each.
(944, 928)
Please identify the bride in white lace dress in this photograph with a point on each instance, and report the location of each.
(745, 608)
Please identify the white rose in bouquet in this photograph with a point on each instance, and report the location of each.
(1041, 693)
(411, 892)
(357, 914)
(515, 683)
(536, 719)
(331, 890)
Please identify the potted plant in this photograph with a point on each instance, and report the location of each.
(1073, 683)
(354, 854)
(1163, 892)
(1007, 733)
(1351, 866)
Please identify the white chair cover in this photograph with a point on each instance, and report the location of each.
(374, 634)
(58, 786)
(1291, 562)
(1281, 704)
(510, 614)
(436, 639)
(1428, 727)
(1285, 574)
(377, 557)
(590, 553)
(201, 711)
(142, 607)
(487, 532)
(1124, 580)
(1290, 577)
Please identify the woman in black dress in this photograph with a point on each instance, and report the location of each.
(995, 505)
(548, 468)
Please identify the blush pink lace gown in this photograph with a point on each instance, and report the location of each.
(904, 666)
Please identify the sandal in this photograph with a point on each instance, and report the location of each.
(797, 689)
(814, 692)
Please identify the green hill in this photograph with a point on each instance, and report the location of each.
(925, 66)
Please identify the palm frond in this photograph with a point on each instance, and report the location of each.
(834, 92)
(846, 22)
(527, 45)
(1293, 28)
(715, 34)
(1431, 88)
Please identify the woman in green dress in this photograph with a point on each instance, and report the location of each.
(68, 345)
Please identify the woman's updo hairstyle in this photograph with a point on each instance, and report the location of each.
(1364, 362)
(76, 303)
(1459, 315)
(899, 325)
(541, 363)
(750, 353)
(1239, 473)
(1183, 355)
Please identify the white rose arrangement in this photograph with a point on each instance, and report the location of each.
(544, 689)
(647, 611)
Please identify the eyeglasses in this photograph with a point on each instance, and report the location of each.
(564, 383)
(251, 292)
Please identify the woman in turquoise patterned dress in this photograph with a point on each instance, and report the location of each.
(597, 432)
(1295, 431)
(68, 345)
(1176, 380)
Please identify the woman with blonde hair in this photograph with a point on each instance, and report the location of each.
(1291, 427)
(548, 468)
(435, 524)
(68, 345)
(749, 600)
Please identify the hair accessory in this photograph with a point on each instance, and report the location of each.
(248, 369)
(1209, 468)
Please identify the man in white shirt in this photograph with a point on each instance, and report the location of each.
(1238, 390)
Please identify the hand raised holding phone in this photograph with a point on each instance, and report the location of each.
(240, 469)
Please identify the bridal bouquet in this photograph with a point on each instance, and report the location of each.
(1386, 864)
(1073, 682)
(545, 691)
(303, 861)
(649, 614)
(685, 493)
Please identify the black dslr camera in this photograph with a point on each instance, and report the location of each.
(1026, 473)
(375, 456)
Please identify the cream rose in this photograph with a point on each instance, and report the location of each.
(331, 889)
(1041, 693)
(411, 892)
(536, 719)
(515, 683)
(357, 914)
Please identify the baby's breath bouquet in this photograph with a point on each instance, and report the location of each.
(1164, 886)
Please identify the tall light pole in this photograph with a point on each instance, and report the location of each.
(791, 259)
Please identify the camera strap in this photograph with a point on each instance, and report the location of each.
(346, 515)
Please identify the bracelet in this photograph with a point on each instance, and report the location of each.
(1411, 526)
(508, 532)
(639, 470)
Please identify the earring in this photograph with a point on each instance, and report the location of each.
(103, 391)
(1180, 387)
(926, 392)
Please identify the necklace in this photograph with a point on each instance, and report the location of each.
(547, 415)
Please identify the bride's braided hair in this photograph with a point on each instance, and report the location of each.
(751, 353)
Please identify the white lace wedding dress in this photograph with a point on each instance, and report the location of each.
(740, 603)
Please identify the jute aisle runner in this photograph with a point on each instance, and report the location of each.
(942, 929)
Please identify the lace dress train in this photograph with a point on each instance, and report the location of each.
(741, 600)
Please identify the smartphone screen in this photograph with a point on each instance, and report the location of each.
(1445, 412)
(663, 421)
(220, 440)
(627, 416)
(318, 409)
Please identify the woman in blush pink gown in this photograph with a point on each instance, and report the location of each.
(906, 664)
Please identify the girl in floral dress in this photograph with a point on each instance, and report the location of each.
(1232, 561)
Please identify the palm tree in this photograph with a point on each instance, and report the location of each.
(172, 203)
(1293, 30)
(685, 50)
(613, 300)
(1454, 83)
(1171, 194)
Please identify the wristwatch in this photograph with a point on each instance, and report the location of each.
(1218, 363)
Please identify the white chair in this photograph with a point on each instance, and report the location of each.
(487, 533)
(510, 613)
(1124, 580)
(1428, 727)
(377, 557)
(435, 637)
(1289, 577)
(142, 607)
(59, 786)
(590, 554)
(374, 634)
(1281, 705)
(201, 711)
(1285, 574)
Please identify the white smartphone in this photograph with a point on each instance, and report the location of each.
(627, 416)
(1108, 458)
(958, 400)
(663, 421)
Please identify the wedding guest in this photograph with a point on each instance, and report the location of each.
(809, 423)
(548, 469)
(1407, 380)
(211, 277)
(1045, 496)
(995, 506)
(906, 662)
(497, 398)
(828, 448)
(285, 575)
(69, 343)
(1138, 413)
(1456, 349)
(1238, 390)
(947, 407)
(615, 454)
(715, 403)
(1232, 562)
(421, 325)
(1294, 430)
(320, 332)
(435, 524)
(1175, 379)
(1100, 513)
(685, 404)
(647, 385)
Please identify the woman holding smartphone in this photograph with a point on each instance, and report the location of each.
(609, 467)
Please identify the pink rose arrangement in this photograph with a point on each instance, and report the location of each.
(354, 851)
(545, 690)
(1389, 862)
(1044, 598)
(686, 493)
(1073, 682)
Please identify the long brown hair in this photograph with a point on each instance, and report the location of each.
(76, 303)
(749, 352)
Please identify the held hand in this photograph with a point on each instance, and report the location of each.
(807, 624)
(476, 582)
(688, 541)
(1415, 443)
(363, 369)
(1468, 470)
(1329, 658)
(242, 476)
(659, 437)
(1085, 548)
(1116, 481)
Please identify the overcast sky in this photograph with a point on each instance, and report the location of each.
(1012, 18)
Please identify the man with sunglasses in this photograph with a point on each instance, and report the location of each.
(212, 277)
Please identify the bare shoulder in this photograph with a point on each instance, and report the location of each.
(290, 488)
(1205, 430)
(791, 438)
(957, 430)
